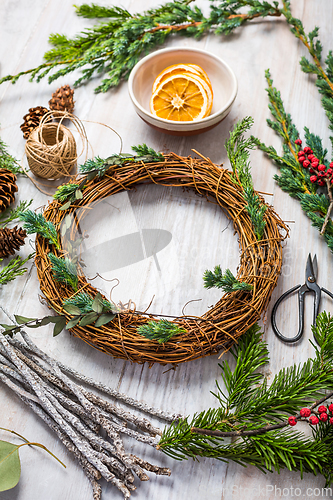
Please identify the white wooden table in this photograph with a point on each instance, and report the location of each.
(198, 242)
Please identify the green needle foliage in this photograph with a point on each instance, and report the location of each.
(116, 44)
(36, 223)
(8, 161)
(64, 271)
(84, 302)
(13, 269)
(238, 151)
(162, 330)
(65, 191)
(294, 178)
(226, 281)
(12, 214)
(248, 407)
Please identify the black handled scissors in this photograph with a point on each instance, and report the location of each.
(309, 286)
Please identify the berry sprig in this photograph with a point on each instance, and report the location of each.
(320, 174)
(319, 171)
(317, 416)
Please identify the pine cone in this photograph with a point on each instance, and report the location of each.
(32, 119)
(62, 100)
(8, 188)
(11, 240)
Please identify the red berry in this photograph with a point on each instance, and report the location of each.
(321, 183)
(306, 163)
(313, 178)
(331, 420)
(305, 412)
(331, 164)
(321, 168)
(322, 409)
(311, 171)
(323, 417)
(298, 142)
(322, 174)
(301, 153)
(308, 150)
(311, 157)
(292, 421)
(313, 420)
(329, 171)
(315, 161)
(330, 408)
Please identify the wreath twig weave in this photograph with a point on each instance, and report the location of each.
(217, 329)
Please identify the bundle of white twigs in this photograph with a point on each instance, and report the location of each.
(77, 415)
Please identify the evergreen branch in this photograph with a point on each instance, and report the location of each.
(11, 214)
(65, 191)
(13, 269)
(84, 302)
(161, 331)
(64, 271)
(115, 46)
(226, 281)
(36, 223)
(238, 151)
(261, 417)
(8, 161)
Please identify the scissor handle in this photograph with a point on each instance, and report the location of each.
(302, 291)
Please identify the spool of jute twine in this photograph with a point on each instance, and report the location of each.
(51, 148)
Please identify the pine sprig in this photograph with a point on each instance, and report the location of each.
(162, 330)
(64, 270)
(12, 214)
(84, 302)
(226, 281)
(256, 414)
(8, 161)
(36, 223)
(238, 151)
(13, 269)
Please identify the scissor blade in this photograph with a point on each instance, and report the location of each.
(315, 266)
(309, 268)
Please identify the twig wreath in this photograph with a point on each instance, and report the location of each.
(130, 334)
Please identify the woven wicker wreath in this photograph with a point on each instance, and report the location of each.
(217, 329)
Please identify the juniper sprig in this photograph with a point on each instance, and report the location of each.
(238, 151)
(226, 281)
(8, 161)
(256, 414)
(12, 214)
(13, 269)
(36, 223)
(64, 270)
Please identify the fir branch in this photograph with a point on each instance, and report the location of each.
(256, 414)
(238, 151)
(14, 269)
(64, 271)
(36, 223)
(226, 281)
(8, 161)
(162, 330)
(12, 214)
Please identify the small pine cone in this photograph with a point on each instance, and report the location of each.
(8, 188)
(62, 100)
(11, 240)
(32, 119)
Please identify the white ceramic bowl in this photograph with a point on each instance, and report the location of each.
(222, 78)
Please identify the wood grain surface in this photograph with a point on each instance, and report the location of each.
(201, 238)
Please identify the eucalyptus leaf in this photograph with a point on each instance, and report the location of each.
(8, 327)
(97, 304)
(10, 466)
(91, 175)
(63, 229)
(55, 319)
(78, 194)
(71, 309)
(88, 319)
(59, 326)
(68, 221)
(66, 205)
(20, 320)
(47, 320)
(36, 325)
(104, 319)
(73, 322)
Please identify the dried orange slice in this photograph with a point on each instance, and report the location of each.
(175, 69)
(181, 97)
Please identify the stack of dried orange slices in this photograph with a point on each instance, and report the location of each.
(182, 92)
